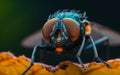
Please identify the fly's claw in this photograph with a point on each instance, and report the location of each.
(97, 59)
(83, 67)
(108, 66)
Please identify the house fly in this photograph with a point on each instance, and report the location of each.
(67, 31)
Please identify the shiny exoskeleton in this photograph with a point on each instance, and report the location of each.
(67, 31)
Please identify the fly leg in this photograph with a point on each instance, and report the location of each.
(99, 41)
(104, 40)
(97, 58)
(32, 57)
(79, 53)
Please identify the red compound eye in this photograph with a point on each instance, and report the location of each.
(47, 28)
(72, 27)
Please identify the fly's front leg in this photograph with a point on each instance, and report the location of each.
(97, 58)
(79, 53)
(32, 58)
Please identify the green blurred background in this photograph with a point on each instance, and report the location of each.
(20, 18)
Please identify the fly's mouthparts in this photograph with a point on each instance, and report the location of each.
(59, 50)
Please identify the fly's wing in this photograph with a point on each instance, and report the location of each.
(99, 31)
(34, 39)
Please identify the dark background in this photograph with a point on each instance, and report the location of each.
(20, 18)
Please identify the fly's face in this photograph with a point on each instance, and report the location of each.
(60, 32)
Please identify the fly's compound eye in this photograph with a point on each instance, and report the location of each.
(47, 28)
(73, 28)
(88, 28)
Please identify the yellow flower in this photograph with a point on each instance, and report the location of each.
(11, 65)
